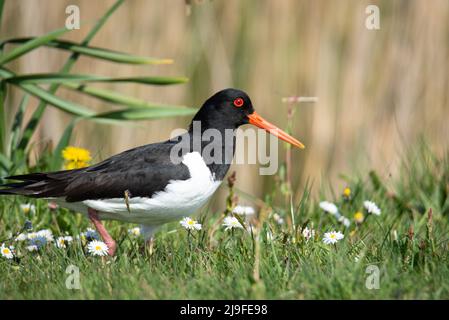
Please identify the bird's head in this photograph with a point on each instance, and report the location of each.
(231, 108)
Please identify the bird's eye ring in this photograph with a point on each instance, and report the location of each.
(238, 102)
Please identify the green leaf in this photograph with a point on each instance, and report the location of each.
(146, 114)
(95, 52)
(17, 124)
(31, 45)
(57, 160)
(2, 4)
(69, 107)
(37, 115)
(52, 78)
(115, 97)
(2, 116)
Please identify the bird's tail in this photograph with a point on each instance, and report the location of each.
(37, 185)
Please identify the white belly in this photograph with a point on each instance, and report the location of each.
(179, 198)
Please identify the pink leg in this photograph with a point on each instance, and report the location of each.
(93, 216)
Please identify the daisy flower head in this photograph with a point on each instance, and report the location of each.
(231, 223)
(76, 158)
(21, 237)
(359, 217)
(332, 237)
(308, 233)
(244, 210)
(278, 218)
(344, 221)
(7, 252)
(371, 207)
(63, 242)
(46, 233)
(97, 248)
(329, 207)
(32, 248)
(28, 208)
(190, 224)
(134, 232)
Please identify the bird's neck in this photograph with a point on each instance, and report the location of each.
(216, 145)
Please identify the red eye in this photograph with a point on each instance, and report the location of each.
(238, 102)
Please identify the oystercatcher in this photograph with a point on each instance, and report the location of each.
(155, 183)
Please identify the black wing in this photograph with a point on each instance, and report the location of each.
(142, 171)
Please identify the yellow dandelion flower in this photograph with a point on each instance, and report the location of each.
(347, 192)
(359, 217)
(75, 157)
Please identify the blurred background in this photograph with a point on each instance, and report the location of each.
(380, 91)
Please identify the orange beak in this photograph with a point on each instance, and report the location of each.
(260, 122)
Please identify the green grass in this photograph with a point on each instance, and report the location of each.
(235, 265)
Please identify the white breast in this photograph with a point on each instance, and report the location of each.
(179, 198)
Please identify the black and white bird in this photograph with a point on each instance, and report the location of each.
(155, 183)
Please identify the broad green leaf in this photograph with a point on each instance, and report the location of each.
(30, 45)
(52, 78)
(95, 52)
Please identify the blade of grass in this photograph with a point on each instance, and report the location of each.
(37, 115)
(17, 124)
(31, 45)
(57, 160)
(114, 97)
(56, 78)
(146, 114)
(2, 117)
(95, 52)
(64, 105)
(2, 4)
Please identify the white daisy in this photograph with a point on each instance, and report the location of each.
(371, 207)
(21, 237)
(278, 219)
(344, 221)
(329, 207)
(332, 237)
(308, 233)
(7, 252)
(134, 232)
(45, 233)
(97, 248)
(32, 248)
(231, 223)
(244, 210)
(62, 242)
(190, 224)
(28, 208)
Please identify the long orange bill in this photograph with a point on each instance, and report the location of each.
(260, 122)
